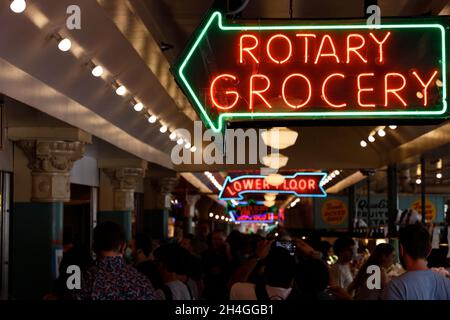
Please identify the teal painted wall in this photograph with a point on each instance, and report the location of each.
(36, 248)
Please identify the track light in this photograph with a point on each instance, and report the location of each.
(163, 129)
(121, 90)
(371, 138)
(187, 145)
(363, 143)
(97, 71)
(180, 141)
(173, 136)
(393, 127)
(381, 133)
(64, 44)
(193, 148)
(138, 106)
(18, 6)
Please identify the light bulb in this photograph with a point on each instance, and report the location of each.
(180, 141)
(363, 143)
(217, 217)
(187, 145)
(211, 214)
(97, 71)
(121, 90)
(393, 127)
(18, 6)
(371, 138)
(163, 129)
(64, 45)
(173, 136)
(193, 149)
(138, 106)
(439, 175)
(418, 181)
(152, 119)
(381, 133)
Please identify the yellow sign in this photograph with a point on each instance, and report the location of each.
(334, 211)
(430, 209)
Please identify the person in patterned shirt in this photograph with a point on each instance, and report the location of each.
(111, 278)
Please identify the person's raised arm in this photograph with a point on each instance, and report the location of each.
(243, 272)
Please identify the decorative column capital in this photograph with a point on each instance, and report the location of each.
(124, 181)
(50, 162)
(167, 185)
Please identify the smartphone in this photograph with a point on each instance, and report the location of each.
(288, 245)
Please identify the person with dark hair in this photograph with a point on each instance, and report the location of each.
(278, 276)
(312, 279)
(110, 278)
(340, 272)
(418, 282)
(141, 250)
(216, 262)
(383, 257)
(171, 260)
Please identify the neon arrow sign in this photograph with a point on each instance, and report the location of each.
(252, 72)
(301, 184)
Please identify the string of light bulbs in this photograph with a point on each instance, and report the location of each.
(65, 45)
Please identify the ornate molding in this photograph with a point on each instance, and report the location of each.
(50, 163)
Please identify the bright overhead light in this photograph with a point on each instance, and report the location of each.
(217, 217)
(64, 45)
(187, 145)
(222, 217)
(439, 175)
(152, 119)
(163, 129)
(97, 71)
(418, 181)
(275, 160)
(211, 214)
(274, 179)
(337, 172)
(18, 6)
(193, 148)
(121, 90)
(173, 136)
(138, 106)
(363, 143)
(393, 127)
(381, 133)
(270, 196)
(279, 137)
(371, 138)
(180, 141)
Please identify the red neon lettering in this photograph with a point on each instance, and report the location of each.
(292, 184)
(356, 48)
(312, 184)
(320, 54)
(425, 86)
(380, 44)
(228, 92)
(247, 49)
(283, 93)
(306, 35)
(393, 90)
(258, 184)
(237, 186)
(360, 90)
(279, 36)
(323, 90)
(231, 191)
(302, 184)
(248, 184)
(253, 91)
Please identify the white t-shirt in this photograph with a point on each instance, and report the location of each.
(246, 291)
(341, 275)
(178, 289)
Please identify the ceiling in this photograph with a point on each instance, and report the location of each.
(126, 38)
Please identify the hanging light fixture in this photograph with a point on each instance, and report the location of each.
(274, 179)
(97, 71)
(152, 119)
(275, 160)
(279, 137)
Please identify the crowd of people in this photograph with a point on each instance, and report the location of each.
(215, 267)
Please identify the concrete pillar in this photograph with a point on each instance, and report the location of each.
(118, 182)
(37, 214)
(157, 196)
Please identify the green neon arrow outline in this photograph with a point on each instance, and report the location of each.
(335, 114)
